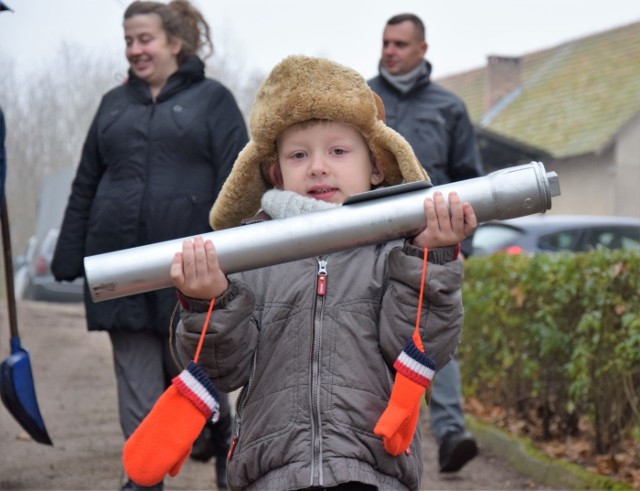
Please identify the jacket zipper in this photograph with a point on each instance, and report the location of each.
(317, 478)
(140, 225)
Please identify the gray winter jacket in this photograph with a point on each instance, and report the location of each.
(316, 367)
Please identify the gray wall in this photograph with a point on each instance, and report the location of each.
(627, 156)
(606, 183)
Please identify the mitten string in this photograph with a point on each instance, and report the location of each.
(414, 372)
(204, 330)
(416, 332)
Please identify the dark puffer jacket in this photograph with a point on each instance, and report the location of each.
(150, 171)
(436, 124)
(316, 367)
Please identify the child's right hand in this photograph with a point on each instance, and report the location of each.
(446, 226)
(196, 271)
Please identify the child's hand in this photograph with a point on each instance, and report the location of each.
(196, 272)
(446, 226)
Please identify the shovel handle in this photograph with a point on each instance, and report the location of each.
(8, 270)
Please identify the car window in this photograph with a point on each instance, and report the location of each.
(630, 243)
(612, 238)
(490, 238)
(567, 240)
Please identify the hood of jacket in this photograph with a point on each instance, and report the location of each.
(190, 72)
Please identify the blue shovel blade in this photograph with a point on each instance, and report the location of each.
(18, 392)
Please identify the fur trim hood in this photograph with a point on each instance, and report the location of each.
(298, 89)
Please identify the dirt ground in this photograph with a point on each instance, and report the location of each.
(75, 387)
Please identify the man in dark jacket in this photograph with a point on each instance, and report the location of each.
(436, 124)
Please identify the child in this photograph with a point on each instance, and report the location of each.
(313, 342)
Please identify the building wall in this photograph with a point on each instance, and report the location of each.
(627, 157)
(604, 184)
(587, 185)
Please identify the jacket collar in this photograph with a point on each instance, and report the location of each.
(418, 77)
(190, 72)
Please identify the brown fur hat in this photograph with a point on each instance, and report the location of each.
(298, 89)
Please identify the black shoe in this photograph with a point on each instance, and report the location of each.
(456, 450)
(203, 448)
(221, 473)
(132, 486)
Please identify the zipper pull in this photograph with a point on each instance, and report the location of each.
(232, 447)
(322, 277)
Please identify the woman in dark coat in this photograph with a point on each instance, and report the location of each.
(157, 153)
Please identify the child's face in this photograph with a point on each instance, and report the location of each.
(326, 160)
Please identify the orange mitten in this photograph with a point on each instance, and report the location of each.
(163, 441)
(397, 425)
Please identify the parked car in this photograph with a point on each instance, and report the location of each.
(555, 233)
(20, 267)
(32, 278)
(40, 283)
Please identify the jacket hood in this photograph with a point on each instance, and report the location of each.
(191, 71)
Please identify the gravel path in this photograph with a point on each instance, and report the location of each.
(76, 394)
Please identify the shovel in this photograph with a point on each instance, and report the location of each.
(16, 378)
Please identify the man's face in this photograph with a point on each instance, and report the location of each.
(402, 51)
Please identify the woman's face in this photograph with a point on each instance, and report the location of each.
(152, 57)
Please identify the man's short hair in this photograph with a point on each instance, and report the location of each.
(421, 32)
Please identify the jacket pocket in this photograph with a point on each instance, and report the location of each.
(271, 404)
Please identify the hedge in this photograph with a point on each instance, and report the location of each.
(558, 334)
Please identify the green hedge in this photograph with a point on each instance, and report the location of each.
(558, 334)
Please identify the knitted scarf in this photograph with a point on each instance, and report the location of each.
(405, 82)
(282, 204)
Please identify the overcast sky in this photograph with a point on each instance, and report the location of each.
(460, 33)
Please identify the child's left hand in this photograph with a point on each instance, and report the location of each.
(446, 226)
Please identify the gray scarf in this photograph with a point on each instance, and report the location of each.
(282, 204)
(407, 81)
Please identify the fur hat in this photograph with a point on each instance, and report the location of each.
(298, 89)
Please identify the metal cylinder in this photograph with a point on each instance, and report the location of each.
(368, 218)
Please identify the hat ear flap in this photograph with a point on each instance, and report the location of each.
(396, 156)
(240, 195)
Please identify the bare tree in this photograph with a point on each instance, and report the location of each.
(49, 112)
(228, 65)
